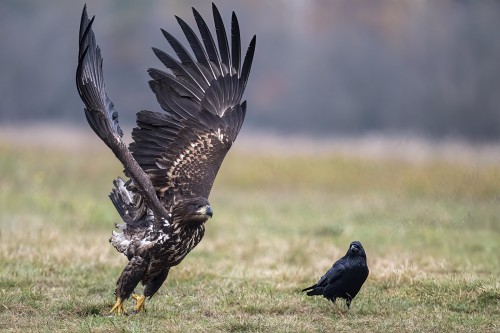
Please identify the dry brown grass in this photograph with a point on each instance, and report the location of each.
(431, 231)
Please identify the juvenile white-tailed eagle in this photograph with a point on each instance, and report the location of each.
(175, 155)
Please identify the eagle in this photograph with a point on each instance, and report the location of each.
(175, 154)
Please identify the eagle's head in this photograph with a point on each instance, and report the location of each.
(192, 211)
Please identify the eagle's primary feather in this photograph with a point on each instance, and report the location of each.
(175, 154)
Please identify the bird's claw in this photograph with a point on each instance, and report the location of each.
(140, 305)
(118, 307)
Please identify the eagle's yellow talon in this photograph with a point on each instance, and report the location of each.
(118, 307)
(140, 302)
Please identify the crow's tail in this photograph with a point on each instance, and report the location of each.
(309, 288)
(313, 290)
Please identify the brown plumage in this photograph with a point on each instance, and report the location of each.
(176, 154)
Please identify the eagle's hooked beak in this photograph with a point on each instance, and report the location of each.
(206, 210)
(209, 211)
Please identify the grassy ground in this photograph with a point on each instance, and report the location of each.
(431, 232)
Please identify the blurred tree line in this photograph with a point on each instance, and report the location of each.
(324, 67)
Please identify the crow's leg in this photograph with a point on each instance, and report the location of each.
(128, 280)
(348, 301)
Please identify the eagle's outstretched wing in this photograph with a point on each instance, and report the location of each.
(101, 114)
(182, 149)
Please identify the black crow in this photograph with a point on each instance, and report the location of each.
(345, 278)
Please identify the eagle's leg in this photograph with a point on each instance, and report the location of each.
(155, 283)
(128, 280)
(151, 288)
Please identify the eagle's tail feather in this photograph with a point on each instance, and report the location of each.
(120, 197)
(134, 213)
(120, 240)
(129, 205)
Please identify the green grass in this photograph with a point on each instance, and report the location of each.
(431, 231)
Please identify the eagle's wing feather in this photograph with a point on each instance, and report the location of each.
(208, 41)
(187, 61)
(101, 114)
(182, 73)
(99, 110)
(182, 149)
(225, 55)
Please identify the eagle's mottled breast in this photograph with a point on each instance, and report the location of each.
(182, 240)
(171, 248)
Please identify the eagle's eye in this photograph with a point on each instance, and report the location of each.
(199, 206)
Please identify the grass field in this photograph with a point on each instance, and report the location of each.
(431, 231)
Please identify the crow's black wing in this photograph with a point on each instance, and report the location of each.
(101, 114)
(334, 273)
(182, 149)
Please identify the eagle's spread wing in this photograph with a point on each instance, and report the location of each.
(101, 114)
(182, 149)
(99, 109)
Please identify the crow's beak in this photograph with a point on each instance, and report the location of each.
(354, 248)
